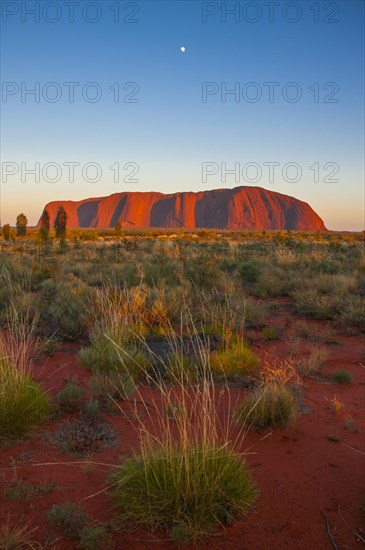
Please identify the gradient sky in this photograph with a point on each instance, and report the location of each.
(169, 132)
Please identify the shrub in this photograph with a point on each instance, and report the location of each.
(94, 538)
(92, 411)
(352, 313)
(70, 397)
(249, 272)
(235, 360)
(196, 487)
(161, 268)
(254, 312)
(342, 377)
(63, 307)
(313, 303)
(270, 405)
(83, 437)
(69, 517)
(203, 273)
(112, 387)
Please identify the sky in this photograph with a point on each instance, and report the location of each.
(98, 98)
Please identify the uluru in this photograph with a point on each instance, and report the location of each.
(242, 207)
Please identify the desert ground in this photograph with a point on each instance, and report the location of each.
(196, 389)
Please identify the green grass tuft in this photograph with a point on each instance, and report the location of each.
(269, 406)
(342, 377)
(187, 491)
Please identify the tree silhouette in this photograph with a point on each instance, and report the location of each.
(60, 223)
(21, 225)
(44, 226)
(6, 232)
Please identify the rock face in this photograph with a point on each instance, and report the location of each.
(238, 208)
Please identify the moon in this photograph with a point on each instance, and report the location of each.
(183, 49)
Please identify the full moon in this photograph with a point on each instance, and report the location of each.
(182, 49)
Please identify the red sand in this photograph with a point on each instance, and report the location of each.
(297, 469)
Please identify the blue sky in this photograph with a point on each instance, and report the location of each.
(168, 131)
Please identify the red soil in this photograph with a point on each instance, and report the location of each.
(298, 470)
(238, 208)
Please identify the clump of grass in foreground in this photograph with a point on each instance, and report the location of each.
(18, 536)
(187, 477)
(270, 405)
(200, 486)
(23, 403)
(342, 377)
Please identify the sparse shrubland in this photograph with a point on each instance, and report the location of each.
(165, 323)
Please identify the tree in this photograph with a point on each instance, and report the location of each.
(6, 232)
(21, 225)
(44, 226)
(60, 224)
(118, 229)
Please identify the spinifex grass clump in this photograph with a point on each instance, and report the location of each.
(200, 486)
(23, 403)
(269, 406)
(236, 359)
(187, 477)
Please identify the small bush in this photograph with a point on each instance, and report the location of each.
(234, 361)
(70, 518)
(94, 538)
(112, 387)
(82, 437)
(92, 411)
(352, 313)
(69, 399)
(269, 406)
(63, 307)
(187, 491)
(342, 377)
(249, 272)
(203, 274)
